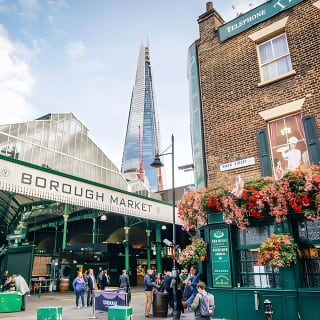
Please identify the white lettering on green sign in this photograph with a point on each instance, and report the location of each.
(254, 16)
(220, 259)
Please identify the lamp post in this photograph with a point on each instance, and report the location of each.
(158, 164)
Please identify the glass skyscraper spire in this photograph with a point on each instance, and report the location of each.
(143, 134)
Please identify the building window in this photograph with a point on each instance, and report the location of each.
(251, 275)
(309, 235)
(274, 58)
(288, 144)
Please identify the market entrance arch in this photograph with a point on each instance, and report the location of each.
(61, 220)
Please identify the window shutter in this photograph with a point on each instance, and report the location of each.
(310, 129)
(264, 152)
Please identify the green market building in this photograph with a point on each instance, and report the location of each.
(254, 88)
(65, 206)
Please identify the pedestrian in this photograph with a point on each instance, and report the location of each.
(167, 281)
(9, 285)
(99, 279)
(22, 289)
(179, 294)
(159, 283)
(193, 281)
(5, 277)
(187, 290)
(124, 283)
(148, 288)
(105, 279)
(79, 287)
(203, 303)
(91, 287)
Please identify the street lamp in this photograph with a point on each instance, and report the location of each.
(158, 164)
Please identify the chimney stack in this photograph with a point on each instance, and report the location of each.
(209, 6)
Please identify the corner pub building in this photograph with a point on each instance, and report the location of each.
(254, 90)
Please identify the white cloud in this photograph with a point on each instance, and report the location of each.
(75, 49)
(240, 7)
(50, 19)
(29, 8)
(16, 81)
(58, 3)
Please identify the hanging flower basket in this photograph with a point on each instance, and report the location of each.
(190, 211)
(298, 192)
(193, 253)
(279, 250)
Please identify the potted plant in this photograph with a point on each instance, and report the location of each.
(194, 253)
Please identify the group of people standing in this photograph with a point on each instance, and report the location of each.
(87, 282)
(84, 283)
(186, 285)
(16, 283)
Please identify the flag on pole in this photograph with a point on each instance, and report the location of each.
(238, 187)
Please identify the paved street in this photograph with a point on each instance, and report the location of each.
(67, 301)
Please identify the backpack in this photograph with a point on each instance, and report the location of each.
(207, 305)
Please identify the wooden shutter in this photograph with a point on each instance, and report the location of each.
(264, 152)
(311, 132)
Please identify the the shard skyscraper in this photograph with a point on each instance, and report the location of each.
(143, 134)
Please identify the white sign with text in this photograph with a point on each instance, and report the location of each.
(237, 164)
(22, 179)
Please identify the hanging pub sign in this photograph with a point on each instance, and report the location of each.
(28, 179)
(254, 16)
(220, 258)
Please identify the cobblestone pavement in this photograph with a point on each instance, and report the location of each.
(67, 301)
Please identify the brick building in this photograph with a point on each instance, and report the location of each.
(253, 73)
(255, 111)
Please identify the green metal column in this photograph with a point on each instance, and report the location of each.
(55, 241)
(158, 250)
(94, 230)
(148, 249)
(200, 263)
(65, 222)
(126, 247)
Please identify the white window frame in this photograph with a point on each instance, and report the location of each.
(261, 65)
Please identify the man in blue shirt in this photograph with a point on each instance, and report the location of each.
(148, 286)
(193, 281)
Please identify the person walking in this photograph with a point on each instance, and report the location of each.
(203, 303)
(99, 279)
(124, 282)
(79, 287)
(148, 287)
(91, 287)
(22, 289)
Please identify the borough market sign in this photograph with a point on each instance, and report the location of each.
(259, 14)
(23, 178)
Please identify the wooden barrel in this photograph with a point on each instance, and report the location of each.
(64, 285)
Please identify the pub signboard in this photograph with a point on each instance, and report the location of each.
(220, 255)
(254, 16)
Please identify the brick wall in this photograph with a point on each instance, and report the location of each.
(229, 76)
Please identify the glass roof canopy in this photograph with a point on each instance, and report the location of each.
(59, 142)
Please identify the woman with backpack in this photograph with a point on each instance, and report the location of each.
(78, 287)
(203, 303)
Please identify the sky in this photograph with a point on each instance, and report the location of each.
(81, 56)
